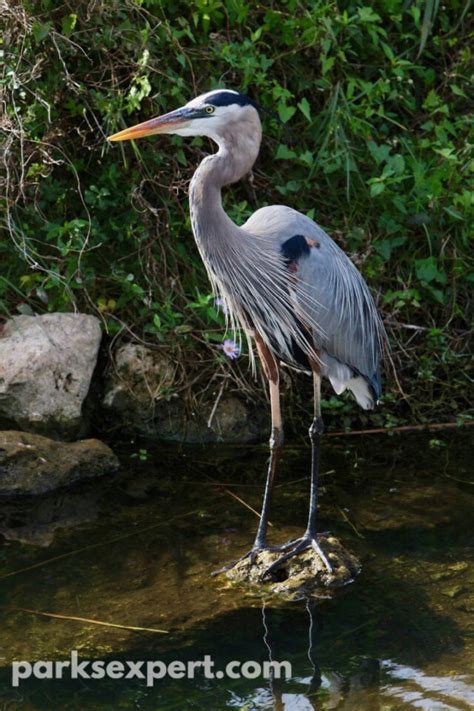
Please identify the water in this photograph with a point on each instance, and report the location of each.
(137, 548)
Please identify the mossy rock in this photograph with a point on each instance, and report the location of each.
(302, 575)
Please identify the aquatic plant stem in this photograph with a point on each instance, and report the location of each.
(88, 620)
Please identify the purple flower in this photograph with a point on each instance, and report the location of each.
(231, 349)
(221, 304)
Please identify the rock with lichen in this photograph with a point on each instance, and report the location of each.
(302, 575)
(46, 367)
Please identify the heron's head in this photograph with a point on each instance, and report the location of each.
(213, 114)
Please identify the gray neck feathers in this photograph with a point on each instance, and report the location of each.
(238, 149)
(240, 266)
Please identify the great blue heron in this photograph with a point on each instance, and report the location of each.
(283, 279)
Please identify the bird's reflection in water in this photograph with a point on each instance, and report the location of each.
(276, 652)
(339, 692)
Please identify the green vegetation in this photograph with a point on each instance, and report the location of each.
(378, 151)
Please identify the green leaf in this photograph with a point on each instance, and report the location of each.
(326, 64)
(385, 247)
(41, 30)
(181, 157)
(448, 153)
(397, 164)
(453, 213)
(431, 10)
(68, 24)
(284, 153)
(380, 153)
(457, 90)
(427, 270)
(366, 14)
(307, 157)
(305, 109)
(285, 112)
(388, 51)
(376, 189)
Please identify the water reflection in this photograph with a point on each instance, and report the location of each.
(276, 652)
(369, 684)
(35, 521)
(137, 549)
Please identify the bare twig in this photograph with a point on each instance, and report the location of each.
(347, 520)
(87, 620)
(216, 402)
(435, 427)
(92, 546)
(244, 503)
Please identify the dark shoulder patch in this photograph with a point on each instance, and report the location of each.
(227, 98)
(295, 248)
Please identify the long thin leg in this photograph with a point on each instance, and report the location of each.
(315, 432)
(309, 539)
(271, 369)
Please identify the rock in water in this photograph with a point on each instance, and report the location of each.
(303, 575)
(32, 464)
(46, 366)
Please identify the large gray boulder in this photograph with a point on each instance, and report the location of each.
(46, 366)
(33, 464)
(139, 399)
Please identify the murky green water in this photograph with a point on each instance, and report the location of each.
(400, 637)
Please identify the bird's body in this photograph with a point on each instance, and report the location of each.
(284, 281)
(305, 277)
(332, 295)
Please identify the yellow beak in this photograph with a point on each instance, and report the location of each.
(161, 124)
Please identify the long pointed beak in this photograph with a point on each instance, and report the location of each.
(161, 124)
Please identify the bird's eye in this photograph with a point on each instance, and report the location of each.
(209, 109)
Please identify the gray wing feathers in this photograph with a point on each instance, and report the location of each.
(338, 299)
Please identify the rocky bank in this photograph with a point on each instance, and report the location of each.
(46, 367)
(33, 464)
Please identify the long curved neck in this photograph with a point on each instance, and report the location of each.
(238, 150)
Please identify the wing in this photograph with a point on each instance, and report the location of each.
(331, 294)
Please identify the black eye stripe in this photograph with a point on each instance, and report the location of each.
(227, 98)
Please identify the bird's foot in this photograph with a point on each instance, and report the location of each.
(289, 545)
(296, 547)
(251, 554)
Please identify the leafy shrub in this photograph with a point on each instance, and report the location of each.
(378, 150)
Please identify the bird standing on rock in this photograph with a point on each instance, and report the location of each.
(283, 280)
